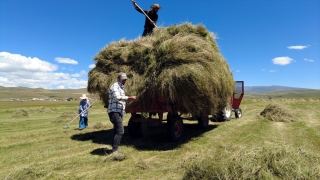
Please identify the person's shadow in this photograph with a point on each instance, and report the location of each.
(154, 138)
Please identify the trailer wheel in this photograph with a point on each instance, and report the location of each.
(134, 128)
(238, 113)
(203, 121)
(225, 114)
(175, 128)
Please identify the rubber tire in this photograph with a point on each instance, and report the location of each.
(238, 113)
(203, 121)
(225, 114)
(134, 128)
(175, 128)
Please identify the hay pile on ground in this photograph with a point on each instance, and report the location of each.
(272, 161)
(21, 113)
(180, 64)
(277, 113)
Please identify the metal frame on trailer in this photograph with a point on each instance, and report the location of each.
(174, 126)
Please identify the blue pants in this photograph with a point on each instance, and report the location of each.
(83, 122)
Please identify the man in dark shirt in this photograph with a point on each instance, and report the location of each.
(148, 25)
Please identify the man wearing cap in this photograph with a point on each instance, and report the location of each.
(116, 109)
(148, 25)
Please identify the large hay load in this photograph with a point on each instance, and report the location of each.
(180, 65)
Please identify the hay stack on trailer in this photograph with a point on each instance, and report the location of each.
(180, 64)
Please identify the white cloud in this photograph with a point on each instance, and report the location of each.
(60, 87)
(273, 71)
(309, 60)
(16, 62)
(92, 66)
(3, 80)
(18, 70)
(81, 74)
(282, 60)
(300, 47)
(65, 60)
(237, 70)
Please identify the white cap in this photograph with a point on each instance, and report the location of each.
(122, 76)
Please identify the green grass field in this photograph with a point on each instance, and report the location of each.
(34, 145)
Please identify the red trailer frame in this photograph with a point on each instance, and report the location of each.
(237, 98)
(175, 128)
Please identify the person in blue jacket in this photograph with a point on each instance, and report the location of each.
(83, 112)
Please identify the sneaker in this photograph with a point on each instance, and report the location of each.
(114, 153)
(117, 156)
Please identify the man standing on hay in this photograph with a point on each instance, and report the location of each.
(149, 23)
(116, 109)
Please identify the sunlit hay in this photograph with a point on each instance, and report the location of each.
(277, 113)
(311, 99)
(180, 64)
(144, 163)
(29, 172)
(267, 162)
(120, 157)
(44, 109)
(98, 125)
(21, 113)
(65, 116)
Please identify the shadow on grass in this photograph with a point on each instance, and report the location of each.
(154, 138)
(101, 152)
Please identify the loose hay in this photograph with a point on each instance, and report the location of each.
(98, 125)
(277, 113)
(267, 162)
(180, 65)
(65, 116)
(21, 113)
(44, 109)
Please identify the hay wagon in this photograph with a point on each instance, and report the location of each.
(174, 125)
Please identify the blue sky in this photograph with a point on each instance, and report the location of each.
(51, 43)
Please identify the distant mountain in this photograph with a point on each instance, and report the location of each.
(24, 93)
(269, 89)
(8, 93)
